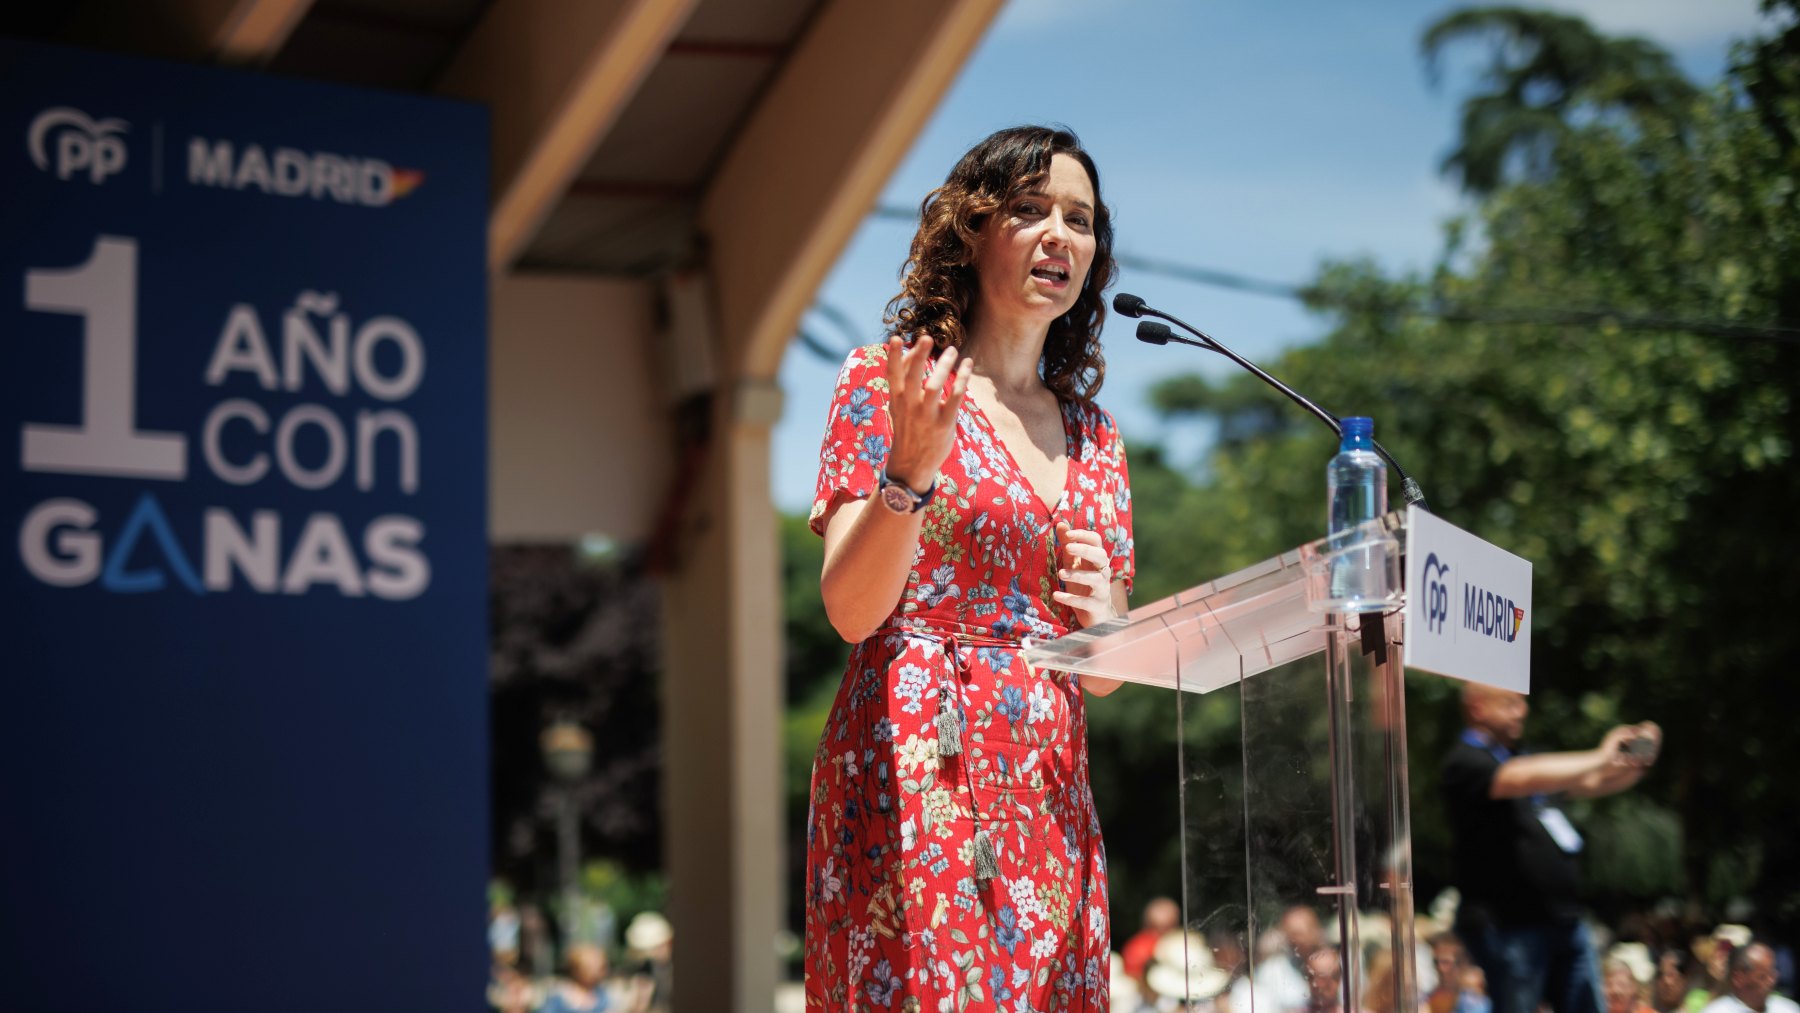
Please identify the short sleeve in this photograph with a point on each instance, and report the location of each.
(1115, 502)
(857, 434)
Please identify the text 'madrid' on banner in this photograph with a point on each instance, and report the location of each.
(243, 401)
(1468, 605)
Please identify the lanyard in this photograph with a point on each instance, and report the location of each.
(1480, 740)
(1561, 831)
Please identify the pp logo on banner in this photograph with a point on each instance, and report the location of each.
(82, 144)
(1437, 594)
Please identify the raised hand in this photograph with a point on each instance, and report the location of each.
(922, 409)
(1086, 571)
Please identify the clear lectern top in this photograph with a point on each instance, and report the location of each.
(1222, 631)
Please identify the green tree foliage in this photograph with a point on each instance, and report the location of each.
(1648, 473)
(814, 664)
(815, 653)
(1549, 72)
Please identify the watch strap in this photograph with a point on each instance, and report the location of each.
(919, 499)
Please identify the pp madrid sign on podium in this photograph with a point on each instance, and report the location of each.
(244, 381)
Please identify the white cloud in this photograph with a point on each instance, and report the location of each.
(1676, 24)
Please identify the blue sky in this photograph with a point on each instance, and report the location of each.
(1255, 138)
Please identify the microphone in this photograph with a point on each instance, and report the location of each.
(1129, 305)
(1152, 333)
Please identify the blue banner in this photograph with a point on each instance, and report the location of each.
(243, 710)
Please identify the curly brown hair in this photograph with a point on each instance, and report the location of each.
(938, 280)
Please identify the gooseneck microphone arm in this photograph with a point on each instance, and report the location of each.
(1154, 333)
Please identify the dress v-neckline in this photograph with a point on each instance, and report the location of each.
(1062, 417)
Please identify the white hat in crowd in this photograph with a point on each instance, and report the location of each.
(1737, 935)
(648, 931)
(1637, 957)
(1183, 968)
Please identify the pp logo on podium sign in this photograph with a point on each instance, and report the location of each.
(79, 143)
(1437, 594)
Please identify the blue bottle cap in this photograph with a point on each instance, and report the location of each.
(1359, 432)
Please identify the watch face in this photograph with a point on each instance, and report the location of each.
(897, 499)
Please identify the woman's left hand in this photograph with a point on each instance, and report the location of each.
(1086, 571)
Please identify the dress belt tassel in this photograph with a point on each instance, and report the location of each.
(950, 723)
(949, 727)
(987, 864)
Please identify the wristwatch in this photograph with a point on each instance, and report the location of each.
(899, 497)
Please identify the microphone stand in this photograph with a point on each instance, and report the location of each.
(1153, 333)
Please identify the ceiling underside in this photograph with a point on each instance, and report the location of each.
(631, 209)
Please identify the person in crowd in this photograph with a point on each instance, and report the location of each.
(1516, 855)
(536, 948)
(1324, 971)
(1713, 954)
(1381, 983)
(1752, 984)
(1669, 989)
(584, 990)
(650, 940)
(509, 990)
(1127, 994)
(1181, 976)
(1228, 953)
(1161, 916)
(1376, 932)
(971, 494)
(1620, 986)
(1461, 986)
(1278, 983)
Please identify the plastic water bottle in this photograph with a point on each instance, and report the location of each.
(1356, 481)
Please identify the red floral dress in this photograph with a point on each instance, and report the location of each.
(954, 859)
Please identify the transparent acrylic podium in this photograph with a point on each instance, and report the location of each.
(1309, 807)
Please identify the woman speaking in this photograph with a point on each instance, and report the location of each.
(971, 495)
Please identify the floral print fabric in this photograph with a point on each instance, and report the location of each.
(897, 917)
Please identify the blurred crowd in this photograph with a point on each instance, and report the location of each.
(1649, 964)
(595, 973)
(1653, 963)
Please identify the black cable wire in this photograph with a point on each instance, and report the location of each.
(1779, 330)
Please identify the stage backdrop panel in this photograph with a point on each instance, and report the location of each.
(243, 752)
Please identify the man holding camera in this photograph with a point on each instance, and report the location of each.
(1516, 855)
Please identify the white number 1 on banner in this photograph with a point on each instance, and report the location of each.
(103, 292)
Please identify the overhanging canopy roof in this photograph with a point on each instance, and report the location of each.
(633, 203)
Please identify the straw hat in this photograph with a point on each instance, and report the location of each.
(1176, 947)
(1737, 935)
(1197, 983)
(1635, 956)
(1183, 968)
(648, 931)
